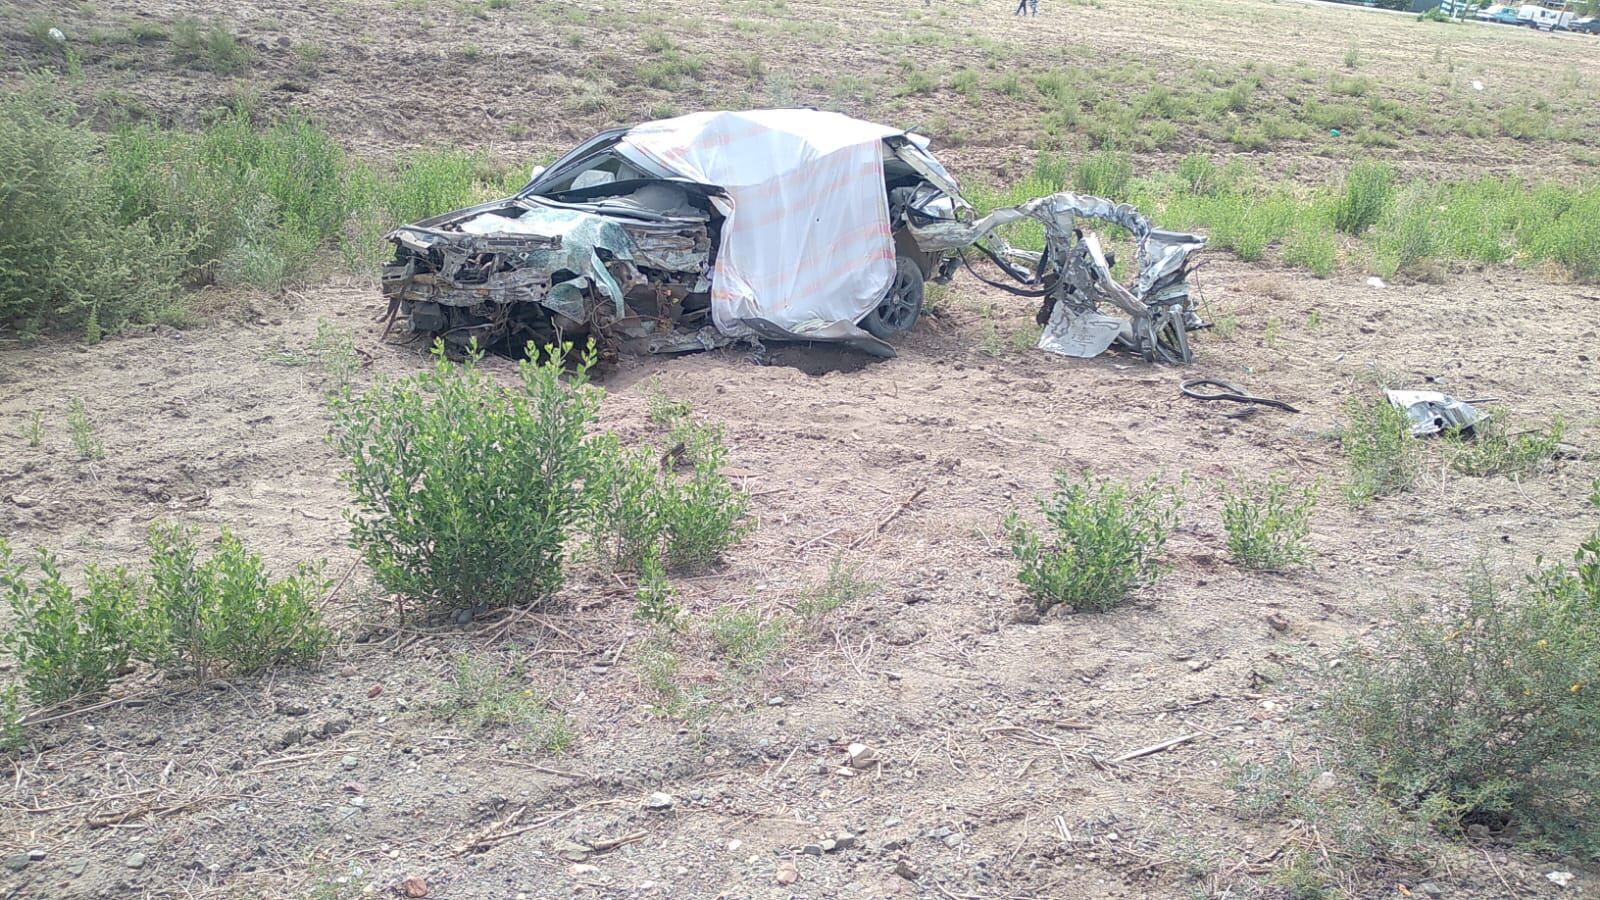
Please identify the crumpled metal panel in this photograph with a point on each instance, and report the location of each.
(1078, 279)
(582, 235)
(1432, 412)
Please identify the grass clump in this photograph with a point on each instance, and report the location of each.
(842, 586)
(33, 428)
(466, 491)
(482, 697)
(1382, 457)
(1487, 714)
(1492, 449)
(1103, 540)
(65, 644)
(1267, 522)
(226, 613)
(1368, 189)
(211, 47)
(703, 514)
(1104, 174)
(745, 637)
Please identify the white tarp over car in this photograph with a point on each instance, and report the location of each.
(806, 242)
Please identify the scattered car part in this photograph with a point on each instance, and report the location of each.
(1230, 392)
(1073, 275)
(1432, 412)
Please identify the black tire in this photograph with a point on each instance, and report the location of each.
(901, 306)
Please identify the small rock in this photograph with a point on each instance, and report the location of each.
(24, 501)
(375, 690)
(829, 845)
(336, 724)
(892, 846)
(350, 761)
(812, 850)
(774, 701)
(954, 839)
(844, 840)
(16, 862)
(290, 736)
(76, 867)
(573, 851)
(904, 869)
(1196, 665)
(36, 855)
(786, 873)
(1560, 879)
(860, 756)
(1430, 889)
(1278, 622)
(891, 822)
(290, 707)
(734, 845)
(414, 887)
(463, 617)
(581, 869)
(1375, 281)
(358, 802)
(134, 861)
(659, 800)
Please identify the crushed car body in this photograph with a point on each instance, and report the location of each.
(793, 224)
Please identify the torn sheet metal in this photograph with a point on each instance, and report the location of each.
(1074, 275)
(1431, 412)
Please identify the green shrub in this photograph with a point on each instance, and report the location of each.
(1267, 522)
(1368, 187)
(623, 510)
(485, 698)
(466, 491)
(703, 514)
(1381, 455)
(81, 429)
(12, 735)
(66, 646)
(655, 603)
(1492, 449)
(1103, 540)
(226, 614)
(1311, 246)
(1486, 714)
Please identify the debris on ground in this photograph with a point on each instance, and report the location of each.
(1432, 413)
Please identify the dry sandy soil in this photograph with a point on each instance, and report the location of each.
(993, 732)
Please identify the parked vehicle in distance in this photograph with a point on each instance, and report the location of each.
(1500, 15)
(1587, 26)
(1545, 19)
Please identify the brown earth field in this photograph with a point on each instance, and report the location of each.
(996, 734)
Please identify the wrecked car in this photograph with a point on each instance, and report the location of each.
(795, 224)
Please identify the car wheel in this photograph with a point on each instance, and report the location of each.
(901, 305)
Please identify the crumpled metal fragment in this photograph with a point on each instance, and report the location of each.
(1432, 412)
(1076, 276)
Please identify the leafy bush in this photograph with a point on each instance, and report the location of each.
(1408, 233)
(1487, 715)
(1267, 522)
(704, 514)
(210, 47)
(1368, 187)
(66, 646)
(466, 491)
(1103, 541)
(624, 518)
(1381, 455)
(654, 597)
(1492, 449)
(226, 614)
(81, 429)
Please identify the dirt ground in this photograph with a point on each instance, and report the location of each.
(993, 732)
(987, 727)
